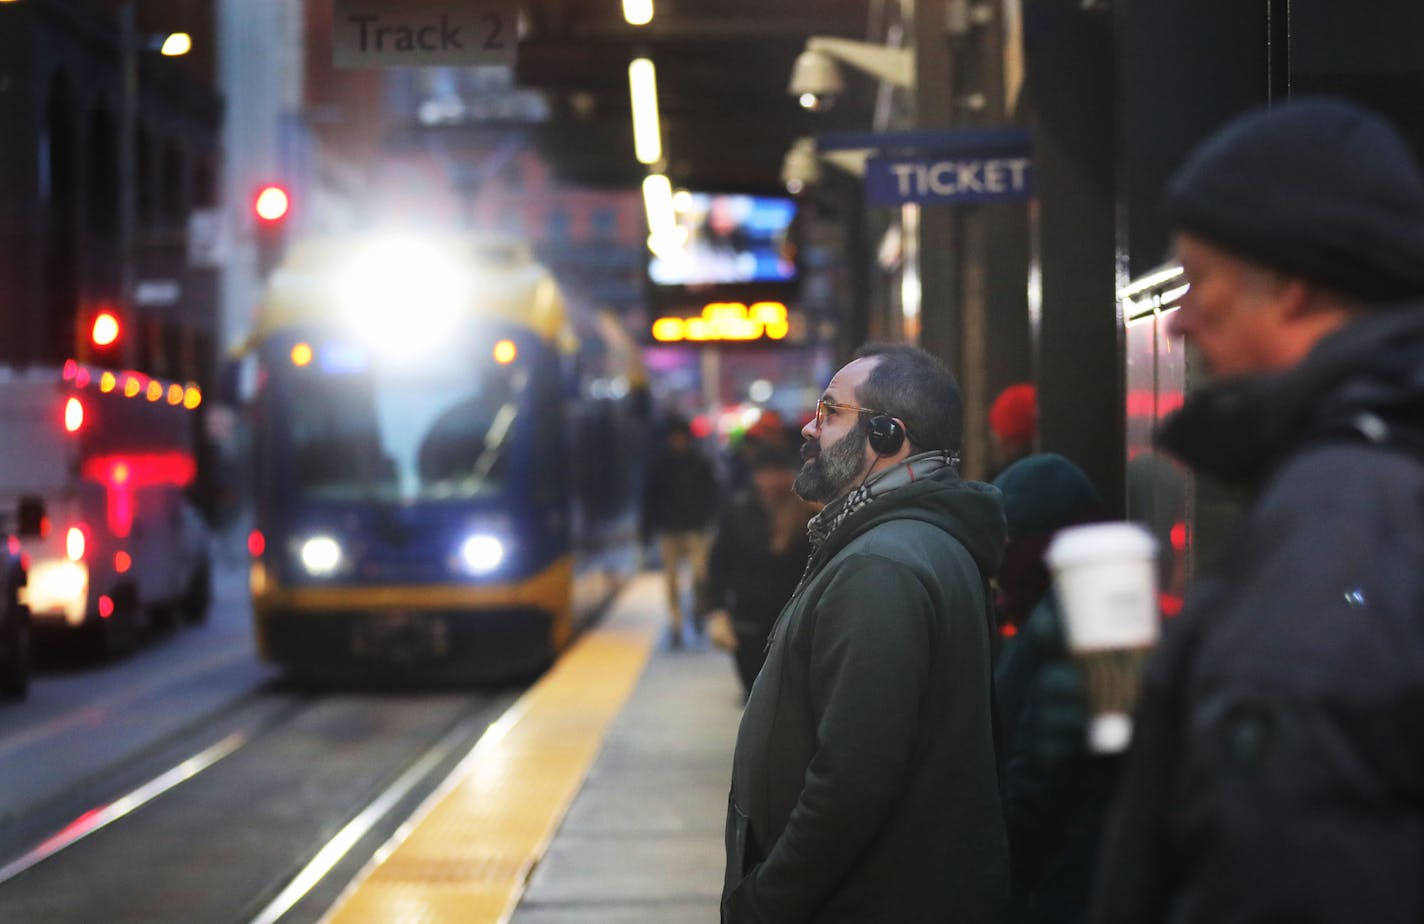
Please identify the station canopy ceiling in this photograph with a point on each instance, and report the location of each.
(722, 69)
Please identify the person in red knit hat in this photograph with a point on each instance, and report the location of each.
(1013, 421)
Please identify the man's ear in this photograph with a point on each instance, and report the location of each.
(1302, 314)
(1295, 299)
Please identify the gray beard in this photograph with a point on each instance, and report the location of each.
(832, 473)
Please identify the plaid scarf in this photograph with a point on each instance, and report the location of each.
(825, 523)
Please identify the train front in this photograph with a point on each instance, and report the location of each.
(411, 497)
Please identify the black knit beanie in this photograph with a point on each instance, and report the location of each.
(1045, 492)
(1320, 188)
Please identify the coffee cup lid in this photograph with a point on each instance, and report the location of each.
(1098, 542)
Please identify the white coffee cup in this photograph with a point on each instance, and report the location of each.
(1105, 581)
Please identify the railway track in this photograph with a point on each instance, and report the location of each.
(259, 814)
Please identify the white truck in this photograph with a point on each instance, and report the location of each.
(94, 470)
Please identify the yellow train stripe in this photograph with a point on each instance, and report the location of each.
(467, 853)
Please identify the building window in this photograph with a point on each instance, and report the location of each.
(175, 186)
(511, 175)
(103, 152)
(144, 194)
(558, 224)
(605, 223)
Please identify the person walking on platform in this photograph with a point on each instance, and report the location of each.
(769, 430)
(679, 504)
(1278, 768)
(1013, 425)
(864, 781)
(757, 557)
(1055, 791)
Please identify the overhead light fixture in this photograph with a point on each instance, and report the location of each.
(647, 134)
(665, 237)
(176, 44)
(657, 202)
(638, 12)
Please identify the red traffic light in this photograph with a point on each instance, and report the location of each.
(272, 203)
(105, 330)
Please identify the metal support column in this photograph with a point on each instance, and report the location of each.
(938, 264)
(128, 170)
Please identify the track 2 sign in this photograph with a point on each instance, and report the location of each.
(423, 33)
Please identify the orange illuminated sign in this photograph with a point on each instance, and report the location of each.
(726, 321)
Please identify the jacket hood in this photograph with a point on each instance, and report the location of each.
(970, 511)
(1366, 380)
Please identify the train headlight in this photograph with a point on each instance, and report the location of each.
(481, 553)
(321, 556)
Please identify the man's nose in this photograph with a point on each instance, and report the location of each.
(810, 429)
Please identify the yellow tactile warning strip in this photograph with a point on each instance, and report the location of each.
(467, 853)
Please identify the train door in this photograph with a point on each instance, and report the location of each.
(1188, 517)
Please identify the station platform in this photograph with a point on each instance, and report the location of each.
(599, 797)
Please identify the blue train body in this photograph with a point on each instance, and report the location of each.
(450, 506)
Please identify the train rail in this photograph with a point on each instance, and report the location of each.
(243, 817)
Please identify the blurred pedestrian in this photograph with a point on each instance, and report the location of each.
(1278, 767)
(758, 556)
(1055, 792)
(679, 505)
(1042, 494)
(1013, 425)
(769, 429)
(864, 783)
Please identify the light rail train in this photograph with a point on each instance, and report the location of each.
(448, 460)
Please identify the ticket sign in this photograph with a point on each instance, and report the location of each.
(947, 179)
(955, 166)
(423, 33)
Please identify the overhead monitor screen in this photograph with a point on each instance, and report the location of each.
(727, 238)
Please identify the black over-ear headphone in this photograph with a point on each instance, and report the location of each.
(886, 435)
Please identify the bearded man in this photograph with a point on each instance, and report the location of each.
(864, 785)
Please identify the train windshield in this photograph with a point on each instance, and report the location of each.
(362, 427)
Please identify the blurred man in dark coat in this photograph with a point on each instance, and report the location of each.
(1278, 769)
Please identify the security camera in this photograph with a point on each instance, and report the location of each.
(800, 168)
(816, 80)
(816, 76)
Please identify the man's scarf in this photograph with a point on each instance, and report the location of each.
(824, 524)
(915, 467)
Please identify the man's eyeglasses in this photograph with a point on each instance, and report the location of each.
(824, 408)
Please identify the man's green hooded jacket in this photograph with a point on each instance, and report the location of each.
(864, 786)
